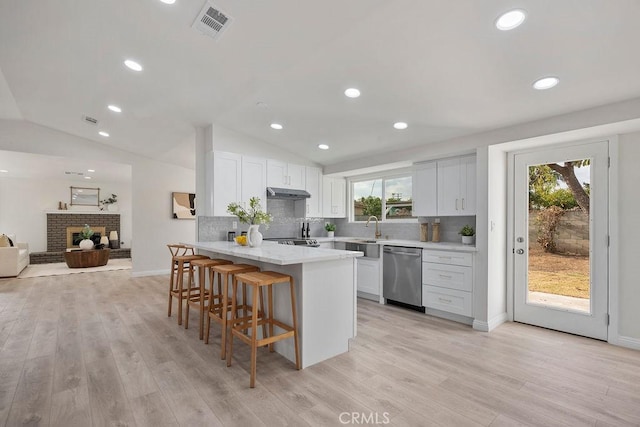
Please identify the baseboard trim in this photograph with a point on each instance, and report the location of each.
(628, 342)
(149, 273)
(491, 324)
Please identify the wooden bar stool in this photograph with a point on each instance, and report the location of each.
(196, 295)
(258, 280)
(181, 257)
(219, 311)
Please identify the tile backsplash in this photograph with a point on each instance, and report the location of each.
(286, 224)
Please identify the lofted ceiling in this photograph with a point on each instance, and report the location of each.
(441, 66)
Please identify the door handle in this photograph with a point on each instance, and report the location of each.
(456, 204)
(463, 203)
(520, 251)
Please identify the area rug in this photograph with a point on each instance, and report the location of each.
(59, 268)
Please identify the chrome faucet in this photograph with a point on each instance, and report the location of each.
(378, 233)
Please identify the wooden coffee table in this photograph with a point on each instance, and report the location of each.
(84, 259)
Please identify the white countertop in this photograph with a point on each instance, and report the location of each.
(445, 246)
(274, 253)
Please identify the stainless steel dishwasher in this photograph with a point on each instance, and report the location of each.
(402, 276)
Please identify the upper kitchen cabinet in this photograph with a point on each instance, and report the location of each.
(235, 179)
(313, 185)
(457, 186)
(425, 189)
(225, 186)
(285, 175)
(254, 180)
(334, 200)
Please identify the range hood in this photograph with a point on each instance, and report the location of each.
(286, 193)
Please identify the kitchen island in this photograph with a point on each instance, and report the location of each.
(325, 282)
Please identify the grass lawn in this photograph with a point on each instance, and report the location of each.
(558, 274)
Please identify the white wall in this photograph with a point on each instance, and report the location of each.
(628, 247)
(152, 183)
(24, 202)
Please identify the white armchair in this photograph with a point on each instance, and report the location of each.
(13, 259)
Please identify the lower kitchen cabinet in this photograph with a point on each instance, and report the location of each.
(369, 278)
(326, 245)
(447, 281)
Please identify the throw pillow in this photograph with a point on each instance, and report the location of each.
(4, 241)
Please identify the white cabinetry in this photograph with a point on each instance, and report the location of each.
(254, 180)
(285, 175)
(226, 186)
(334, 197)
(456, 185)
(236, 179)
(369, 278)
(313, 185)
(447, 281)
(425, 189)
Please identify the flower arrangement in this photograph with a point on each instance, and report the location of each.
(110, 200)
(86, 232)
(252, 216)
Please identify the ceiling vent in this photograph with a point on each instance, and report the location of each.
(211, 21)
(90, 120)
(74, 173)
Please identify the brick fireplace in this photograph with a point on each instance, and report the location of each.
(58, 223)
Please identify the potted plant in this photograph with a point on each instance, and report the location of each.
(468, 235)
(254, 216)
(86, 243)
(331, 228)
(110, 203)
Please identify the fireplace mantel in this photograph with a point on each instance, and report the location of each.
(62, 212)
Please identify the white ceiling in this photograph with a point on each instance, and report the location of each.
(439, 65)
(53, 168)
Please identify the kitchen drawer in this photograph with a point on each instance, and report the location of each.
(447, 257)
(449, 300)
(447, 276)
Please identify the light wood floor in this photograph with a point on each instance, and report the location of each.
(99, 349)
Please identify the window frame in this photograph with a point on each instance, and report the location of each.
(384, 175)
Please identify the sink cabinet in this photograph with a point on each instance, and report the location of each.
(369, 278)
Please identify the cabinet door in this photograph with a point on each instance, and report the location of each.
(254, 180)
(296, 176)
(276, 174)
(425, 189)
(449, 187)
(339, 197)
(368, 276)
(227, 176)
(313, 184)
(468, 185)
(327, 184)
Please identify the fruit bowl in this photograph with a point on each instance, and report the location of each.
(241, 240)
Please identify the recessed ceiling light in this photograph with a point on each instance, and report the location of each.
(133, 65)
(115, 108)
(168, 1)
(545, 83)
(103, 133)
(276, 126)
(400, 125)
(510, 20)
(352, 92)
(87, 177)
(91, 170)
(4, 171)
(323, 146)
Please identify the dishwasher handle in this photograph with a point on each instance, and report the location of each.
(391, 251)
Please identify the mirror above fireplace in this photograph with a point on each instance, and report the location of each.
(83, 196)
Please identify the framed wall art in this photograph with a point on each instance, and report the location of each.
(184, 205)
